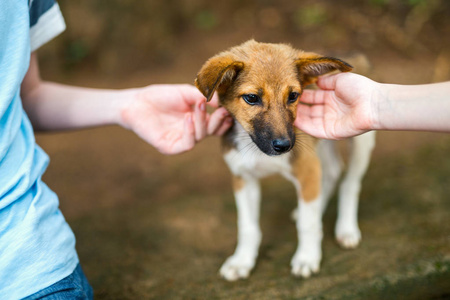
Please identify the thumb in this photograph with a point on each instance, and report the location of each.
(214, 101)
(327, 82)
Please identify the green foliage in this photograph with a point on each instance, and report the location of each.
(311, 15)
(379, 2)
(76, 51)
(416, 2)
(206, 20)
(412, 3)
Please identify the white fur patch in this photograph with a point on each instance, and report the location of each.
(306, 260)
(347, 231)
(239, 265)
(248, 161)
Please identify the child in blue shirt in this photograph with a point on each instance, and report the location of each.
(37, 247)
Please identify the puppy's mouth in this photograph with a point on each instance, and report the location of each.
(273, 146)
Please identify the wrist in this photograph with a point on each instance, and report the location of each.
(380, 105)
(123, 105)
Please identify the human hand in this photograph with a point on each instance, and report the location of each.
(344, 106)
(173, 118)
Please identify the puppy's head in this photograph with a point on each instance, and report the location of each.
(260, 84)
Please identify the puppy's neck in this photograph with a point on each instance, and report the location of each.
(240, 138)
(236, 138)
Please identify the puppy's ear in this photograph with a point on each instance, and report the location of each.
(311, 66)
(218, 73)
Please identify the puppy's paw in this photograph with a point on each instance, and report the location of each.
(348, 237)
(304, 265)
(236, 267)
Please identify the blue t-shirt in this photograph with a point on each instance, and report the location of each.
(37, 247)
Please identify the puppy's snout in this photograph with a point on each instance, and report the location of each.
(281, 145)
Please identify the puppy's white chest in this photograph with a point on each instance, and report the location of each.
(247, 160)
(256, 163)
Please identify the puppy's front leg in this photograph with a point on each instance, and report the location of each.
(307, 258)
(247, 196)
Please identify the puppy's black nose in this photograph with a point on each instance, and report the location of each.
(281, 145)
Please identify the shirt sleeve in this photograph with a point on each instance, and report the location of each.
(46, 22)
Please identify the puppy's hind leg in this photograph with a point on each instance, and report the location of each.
(347, 231)
(331, 169)
(247, 195)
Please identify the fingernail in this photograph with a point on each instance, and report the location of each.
(202, 106)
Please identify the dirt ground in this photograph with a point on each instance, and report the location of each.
(150, 226)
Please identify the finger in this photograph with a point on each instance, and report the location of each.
(190, 94)
(216, 120)
(310, 97)
(328, 82)
(226, 124)
(214, 101)
(311, 126)
(310, 119)
(187, 140)
(314, 96)
(200, 120)
(315, 111)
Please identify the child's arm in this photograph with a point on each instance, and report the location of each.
(349, 104)
(170, 117)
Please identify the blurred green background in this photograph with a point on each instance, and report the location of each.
(156, 227)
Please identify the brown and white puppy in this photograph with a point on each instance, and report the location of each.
(259, 84)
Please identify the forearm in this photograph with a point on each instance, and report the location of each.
(414, 107)
(52, 106)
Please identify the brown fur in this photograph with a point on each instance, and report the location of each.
(307, 169)
(238, 183)
(271, 71)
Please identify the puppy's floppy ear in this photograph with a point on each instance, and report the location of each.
(310, 66)
(217, 74)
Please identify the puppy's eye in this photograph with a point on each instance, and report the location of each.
(293, 97)
(251, 99)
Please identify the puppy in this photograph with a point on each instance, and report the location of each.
(260, 84)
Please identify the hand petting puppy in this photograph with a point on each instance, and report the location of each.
(342, 107)
(173, 118)
(170, 117)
